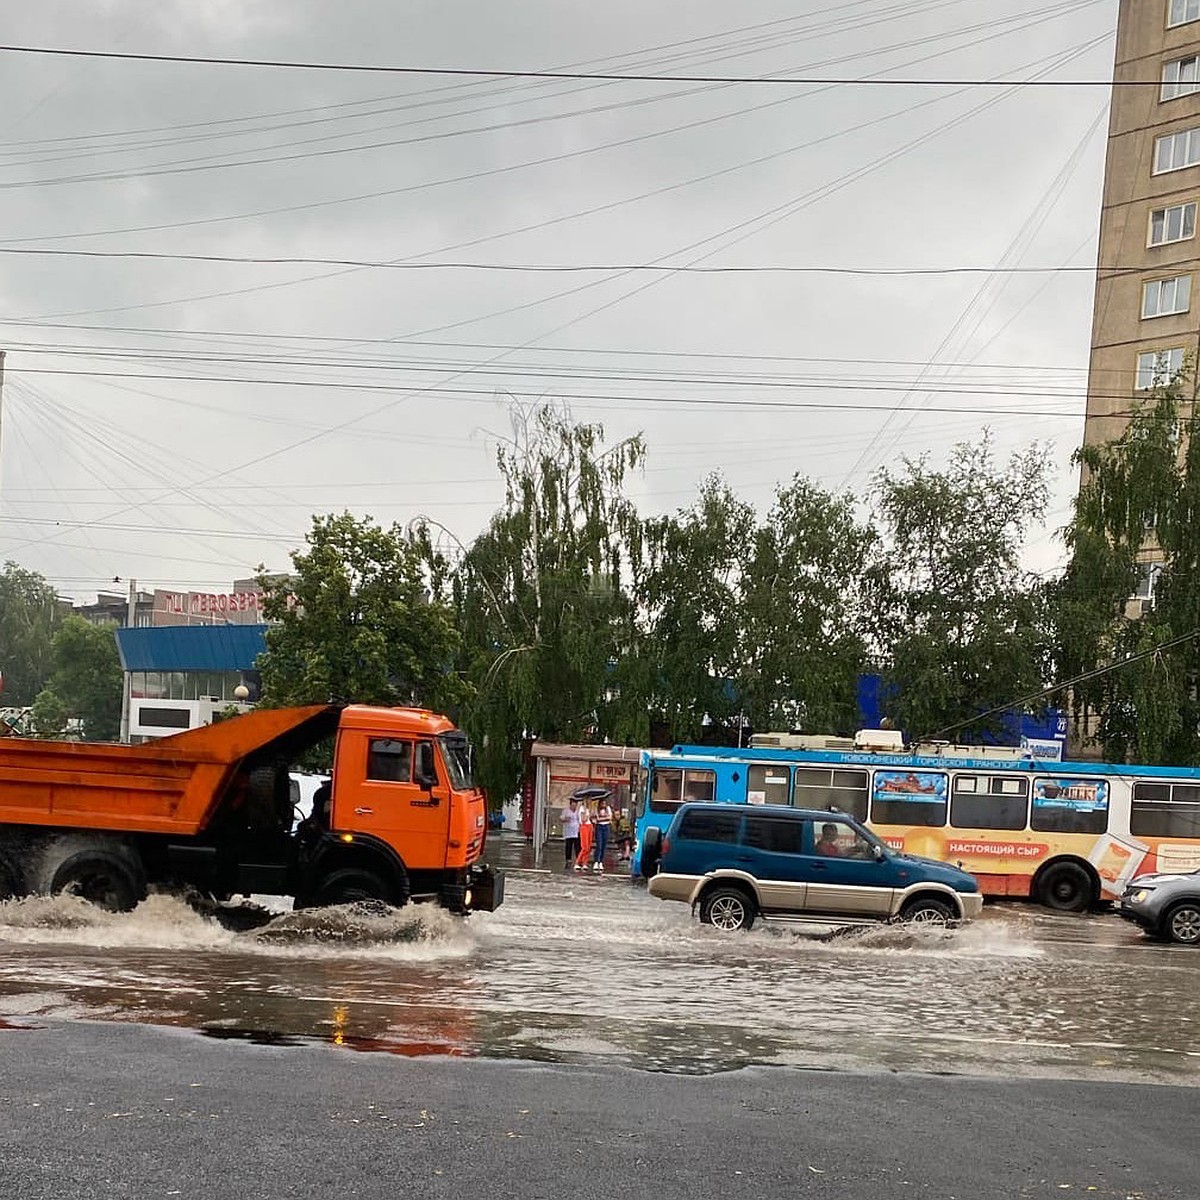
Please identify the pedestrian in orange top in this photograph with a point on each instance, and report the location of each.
(586, 833)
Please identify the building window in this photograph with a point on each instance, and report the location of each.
(1147, 581)
(1157, 368)
(1162, 297)
(1180, 12)
(1174, 224)
(1176, 151)
(1179, 77)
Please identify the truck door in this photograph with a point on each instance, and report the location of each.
(378, 790)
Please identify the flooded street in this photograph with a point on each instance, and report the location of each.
(583, 970)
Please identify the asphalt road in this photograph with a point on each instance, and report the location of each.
(92, 1111)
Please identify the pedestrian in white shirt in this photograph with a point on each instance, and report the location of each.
(570, 829)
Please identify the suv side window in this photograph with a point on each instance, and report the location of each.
(706, 825)
(836, 839)
(776, 835)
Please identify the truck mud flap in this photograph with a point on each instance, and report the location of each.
(487, 890)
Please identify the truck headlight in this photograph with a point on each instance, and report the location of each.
(467, 898)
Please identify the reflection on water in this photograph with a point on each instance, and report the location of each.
(567, 971)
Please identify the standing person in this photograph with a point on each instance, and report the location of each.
(623, 832)
(603, 825)
(586, 833)
(570, 828)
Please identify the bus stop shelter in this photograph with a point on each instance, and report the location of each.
(559, 769)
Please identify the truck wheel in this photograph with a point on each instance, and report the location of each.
(1066, 887)
(100, 877)
(350, 885)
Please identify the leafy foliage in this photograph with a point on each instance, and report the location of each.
(538, 594)
(354, 622)
(961, 627)
(29, 615)
(687, 587)
(86, 683)
(1140, 502)
(804, 612)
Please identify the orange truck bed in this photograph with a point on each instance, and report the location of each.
(173, 785)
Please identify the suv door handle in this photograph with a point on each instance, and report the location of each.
(364, 812)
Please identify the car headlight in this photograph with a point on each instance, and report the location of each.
(1140, 895)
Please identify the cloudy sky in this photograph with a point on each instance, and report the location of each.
(903, 266)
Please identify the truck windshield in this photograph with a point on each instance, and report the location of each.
(456, 750)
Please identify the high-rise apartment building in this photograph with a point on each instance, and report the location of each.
(1147, 311)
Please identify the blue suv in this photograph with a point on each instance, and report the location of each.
(737, 862)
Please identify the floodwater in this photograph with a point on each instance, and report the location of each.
(596, 970)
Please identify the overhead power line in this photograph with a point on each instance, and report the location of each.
(598, 76)
(489, 393)
(564, 268)
(1066, 683)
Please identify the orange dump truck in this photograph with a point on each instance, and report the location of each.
(211, 809)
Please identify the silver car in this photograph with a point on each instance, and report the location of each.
(1165, 906)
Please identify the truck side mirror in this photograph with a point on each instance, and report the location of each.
(425, 773)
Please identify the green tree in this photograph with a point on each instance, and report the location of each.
(804, 612)
(29, 615)
(87, 681)
(687, 588)
(539, 594)
(50, 714)
(355, 621)
(1137, 510)
(960, 625)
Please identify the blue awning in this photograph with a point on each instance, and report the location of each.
(191, 647)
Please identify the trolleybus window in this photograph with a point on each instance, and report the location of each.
(767, 784)
(1165, 810)
(989, 802)
(1070, 805)
(826, 787)
(909, 798)
(670, 787)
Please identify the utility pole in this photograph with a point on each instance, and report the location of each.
(130, 620)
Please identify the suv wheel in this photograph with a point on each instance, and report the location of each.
(1183, 923)
(927, 910)
(727, 908)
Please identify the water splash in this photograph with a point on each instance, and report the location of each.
(171, 922)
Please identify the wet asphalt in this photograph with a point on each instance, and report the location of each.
(91, 1110)
(591, 1041)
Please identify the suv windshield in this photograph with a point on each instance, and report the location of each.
(456, 750)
